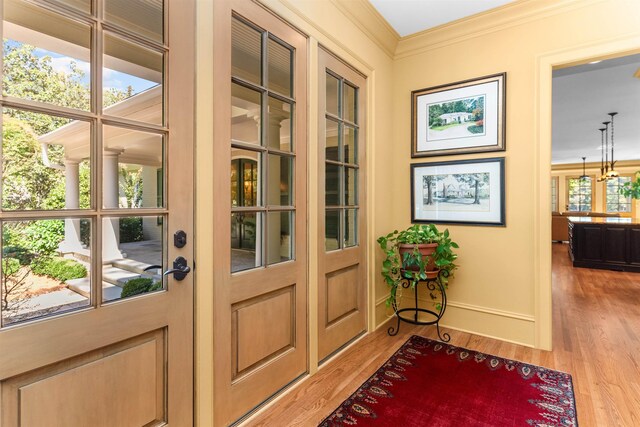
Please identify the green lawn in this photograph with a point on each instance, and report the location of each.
(450, 125)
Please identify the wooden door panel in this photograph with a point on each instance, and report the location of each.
(341, 293)
(255, 340)
(260, 313)
(122, 384)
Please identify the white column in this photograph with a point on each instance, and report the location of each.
(110, 194)
(71, 242)
(150, 228)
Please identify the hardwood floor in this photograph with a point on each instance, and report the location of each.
(596, 338)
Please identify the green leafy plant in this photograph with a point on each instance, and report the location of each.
(412, 265)
(59, 268)
(632, 188)
(139, 286)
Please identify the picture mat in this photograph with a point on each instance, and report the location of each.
(495, 202)
(490, 89)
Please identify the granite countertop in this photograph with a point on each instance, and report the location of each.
(604, 220)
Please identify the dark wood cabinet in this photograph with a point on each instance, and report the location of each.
(606, 243)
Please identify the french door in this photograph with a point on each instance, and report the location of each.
(260, 286)
(96, 213)
(342, 268)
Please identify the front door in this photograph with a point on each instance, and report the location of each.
(97, 128)
(260, 281)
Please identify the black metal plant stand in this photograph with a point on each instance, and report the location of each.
(432, 285)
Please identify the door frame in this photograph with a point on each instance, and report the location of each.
(545, 64)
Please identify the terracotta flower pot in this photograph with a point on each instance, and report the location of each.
(425, 249)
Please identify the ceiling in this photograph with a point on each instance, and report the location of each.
(582, 97)
(412, 16)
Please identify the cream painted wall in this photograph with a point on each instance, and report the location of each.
(498, 290)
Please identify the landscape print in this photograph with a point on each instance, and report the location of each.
(464, 192)
(461, 118)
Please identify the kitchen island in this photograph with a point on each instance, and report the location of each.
(605, 243)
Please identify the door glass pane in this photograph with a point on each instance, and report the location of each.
(351, 227)
(349, 103)
(350, 186)
(132, 79)
(333, 87)
(332, 230)
(132, 256)
(246, 51)
(279, 136)
(246, 229)
(280, 243)
(331, 140)
(245, 178)
(144, 18)
(46, 57)
(350, 145)
(83, 5)
(45, 162)
(45, 268)
(280, 178)
(245, 114)
(132, 161)
(279, 60)
(332, 185)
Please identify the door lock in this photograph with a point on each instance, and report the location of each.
(179, 239)
(180, 269)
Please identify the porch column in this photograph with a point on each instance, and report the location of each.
(71, 242)
(274, 229)
(110, 195)
(150, 228)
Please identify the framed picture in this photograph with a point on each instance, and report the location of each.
(459, 192)
(459, 118)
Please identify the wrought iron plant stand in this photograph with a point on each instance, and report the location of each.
(432, 285)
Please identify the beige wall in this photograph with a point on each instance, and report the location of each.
(502, 287)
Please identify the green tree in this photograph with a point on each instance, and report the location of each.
(27, 182)
(131, 186)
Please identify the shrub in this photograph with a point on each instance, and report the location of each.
(10, 266)
(20, 253)
(61, 269)
(44, 236)
(139, 286)
(131, 229)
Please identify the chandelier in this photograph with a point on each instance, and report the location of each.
(607, 167)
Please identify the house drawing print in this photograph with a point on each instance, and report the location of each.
(456, 192)
(455, 119)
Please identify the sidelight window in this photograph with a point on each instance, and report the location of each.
(341, 163)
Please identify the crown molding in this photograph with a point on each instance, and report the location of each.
(370, 22)
(500, 18)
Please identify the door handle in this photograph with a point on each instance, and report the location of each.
(180, 269)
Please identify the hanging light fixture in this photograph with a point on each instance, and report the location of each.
(612, 173)
(606, 149)
(602, 176)
(584, 175)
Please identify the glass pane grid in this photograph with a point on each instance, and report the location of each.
(263, 111)
(133, 73)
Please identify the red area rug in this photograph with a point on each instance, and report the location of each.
(429, 383)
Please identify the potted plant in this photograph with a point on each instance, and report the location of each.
(419, 252)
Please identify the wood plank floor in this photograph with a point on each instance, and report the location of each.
(596, 338)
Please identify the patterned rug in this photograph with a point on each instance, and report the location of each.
(429, 383)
